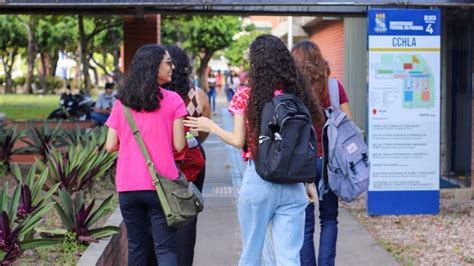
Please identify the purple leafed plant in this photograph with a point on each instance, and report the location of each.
(8, 138)
(17, 235)
(79, 218)
(78, 167)
(8, 240)
(25, 205)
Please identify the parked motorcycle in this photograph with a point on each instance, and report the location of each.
(77, 107)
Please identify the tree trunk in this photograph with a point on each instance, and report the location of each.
(104, 62)
(203, 69)
(43, 71)
(96, 75)
(7, 66)
(30, 27)
(77, 75)
(83, 55)
(53, 63)
(8, 82)
(119, 77)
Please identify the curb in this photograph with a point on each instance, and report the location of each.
(111, 250)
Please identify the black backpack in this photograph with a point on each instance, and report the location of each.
(287, 142)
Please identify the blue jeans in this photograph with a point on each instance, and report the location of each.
(99, 118)
(212, 98)
(139, 210)
(262, 202)
(328, 211)
(230, 93)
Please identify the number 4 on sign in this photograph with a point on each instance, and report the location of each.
(429, 29)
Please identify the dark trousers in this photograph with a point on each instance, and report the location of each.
(186, 234)
(328, 212)
(99, 118)
(139, 210)
(186, 238)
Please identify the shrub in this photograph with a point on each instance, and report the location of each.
(31, 196)
(95, 137)
(16, 236)
(77, 168)
(19, 81)
(41, 139)
(8, 138)
(53, 83)
(78, 218)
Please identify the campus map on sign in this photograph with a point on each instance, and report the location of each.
(403, 132)
(404, 99)
(416, 75)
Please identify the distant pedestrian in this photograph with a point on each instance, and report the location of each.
(315, 68)
(243, 76)
(104, 104)
(232, 84)
(272, 72)
(197, 104)
(159, 115)
(220, 80)
(211, 90)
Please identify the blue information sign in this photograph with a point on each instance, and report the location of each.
(404, 111)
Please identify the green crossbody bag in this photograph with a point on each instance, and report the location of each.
(181, 200)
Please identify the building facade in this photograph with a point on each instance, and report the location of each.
(343, 41)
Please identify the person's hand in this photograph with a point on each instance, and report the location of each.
(311, 192)
(201, 123)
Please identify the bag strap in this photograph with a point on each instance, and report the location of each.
(333, 87)
(151, 167)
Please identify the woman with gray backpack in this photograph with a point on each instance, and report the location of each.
(311, 63)
(263, 200)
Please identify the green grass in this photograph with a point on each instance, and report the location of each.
(21, 106)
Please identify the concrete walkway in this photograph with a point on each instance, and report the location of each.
(218, 239)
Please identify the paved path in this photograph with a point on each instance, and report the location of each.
(219, 240)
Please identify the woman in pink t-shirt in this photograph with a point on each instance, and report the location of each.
(261, 202)
(159, 115)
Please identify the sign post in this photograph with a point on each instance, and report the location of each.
(404, 111)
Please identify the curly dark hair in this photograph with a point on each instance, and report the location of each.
(142, 91)
(272, 67)
(181, 80)
(310, 61)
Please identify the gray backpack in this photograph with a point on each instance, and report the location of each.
(345, 152)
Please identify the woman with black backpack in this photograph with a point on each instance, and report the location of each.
(272, 72)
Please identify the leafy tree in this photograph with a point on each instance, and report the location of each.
(12, 39)
(30, 22)
(88, 28)
(236, 52)
(171, 29)
(109, 42)
(54, 34)
(203, 36)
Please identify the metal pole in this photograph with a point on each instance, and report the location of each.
(290, 32)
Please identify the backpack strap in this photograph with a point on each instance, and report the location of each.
(333, 87)
(151, 167)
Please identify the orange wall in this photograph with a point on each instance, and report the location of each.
(329, 35)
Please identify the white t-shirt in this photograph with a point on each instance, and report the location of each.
(233, 83)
